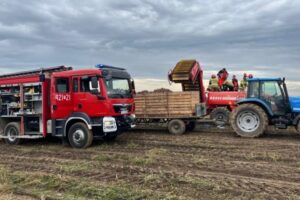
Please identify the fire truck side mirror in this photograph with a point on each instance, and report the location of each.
(42, 77)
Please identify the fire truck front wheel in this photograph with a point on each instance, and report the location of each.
(12, 131)
(80, 136)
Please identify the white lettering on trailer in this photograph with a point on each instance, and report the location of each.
(63, 97)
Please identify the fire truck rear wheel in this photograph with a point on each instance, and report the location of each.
(12, 131)
(80, 136)
(176, 127)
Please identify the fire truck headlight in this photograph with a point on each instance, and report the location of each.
(109, 124)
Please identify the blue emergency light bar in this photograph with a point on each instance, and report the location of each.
(102, 66)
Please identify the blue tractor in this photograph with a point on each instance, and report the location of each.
(267, 103)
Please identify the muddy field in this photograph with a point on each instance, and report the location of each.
(155, 165)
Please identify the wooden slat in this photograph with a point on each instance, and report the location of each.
(166, 104)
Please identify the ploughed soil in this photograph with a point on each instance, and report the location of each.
(208, 163)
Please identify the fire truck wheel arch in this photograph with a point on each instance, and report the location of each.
(77, 117)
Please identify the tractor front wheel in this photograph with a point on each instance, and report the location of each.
(249, 120)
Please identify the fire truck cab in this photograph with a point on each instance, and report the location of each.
(76, 105)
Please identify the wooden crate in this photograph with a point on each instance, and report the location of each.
(166, 104)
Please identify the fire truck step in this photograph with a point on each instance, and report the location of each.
(25, 136)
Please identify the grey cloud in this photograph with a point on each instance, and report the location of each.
(149, 37)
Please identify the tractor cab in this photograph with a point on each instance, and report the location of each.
(271, 93)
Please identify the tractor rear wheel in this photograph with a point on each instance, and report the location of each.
(220, 115)
(176, 127)
(249, 120)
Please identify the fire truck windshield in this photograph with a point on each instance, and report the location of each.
(118, 88)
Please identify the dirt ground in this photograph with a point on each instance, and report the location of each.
(205, 164)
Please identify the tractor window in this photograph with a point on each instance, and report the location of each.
(270, 88)
(62, 85)
(272, 95)
(253, 89)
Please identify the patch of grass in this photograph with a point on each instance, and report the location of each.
(266, 156)
(293, 197)
(76, 166)
(149, 158)
(52, 186)
(198, 183)
(152, 178)
(103, 157)
(199, 160)
(132, 145)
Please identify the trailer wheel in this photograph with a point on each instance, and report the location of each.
(176, 127)
(249, 120)
(80, 136)
(220, 115)
(12, 131)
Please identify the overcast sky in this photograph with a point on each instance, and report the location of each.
(148, 37)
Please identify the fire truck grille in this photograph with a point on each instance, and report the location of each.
(122, 108)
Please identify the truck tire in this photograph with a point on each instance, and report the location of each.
(176, 127)
(80, 136)
(221, 116)
(249, 120)
(12, 130)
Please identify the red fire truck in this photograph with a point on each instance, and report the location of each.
(75, 105)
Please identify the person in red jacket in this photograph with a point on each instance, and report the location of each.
(235, 83)
(222, 75)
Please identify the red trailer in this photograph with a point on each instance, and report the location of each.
(75, 105)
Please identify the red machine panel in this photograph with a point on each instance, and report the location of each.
(215, 99)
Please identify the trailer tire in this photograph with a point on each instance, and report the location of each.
(80, 136)
(221, 116)
(249, 120)
(12, 129)
(176, 127)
